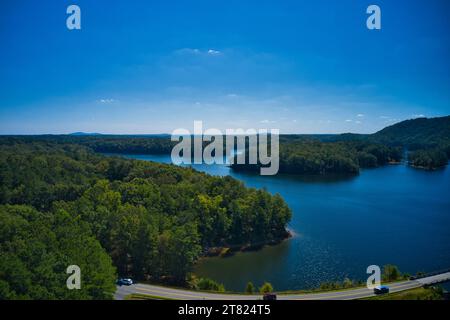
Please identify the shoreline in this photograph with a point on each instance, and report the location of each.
(427, 168)
(228, 251)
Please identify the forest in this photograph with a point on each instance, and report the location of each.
(429, 159)
(425, 143)
(62, 204)
(316, 157)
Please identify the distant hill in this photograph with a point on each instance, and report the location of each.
(420, 133)
(85, 134)
(107, 135)
(416, 133)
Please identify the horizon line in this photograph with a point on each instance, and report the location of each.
(82, 133)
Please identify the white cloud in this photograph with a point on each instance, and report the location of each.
(188, 51)
(195, 51)
(360, 115)
(106, 101)
(348, 120)
(214, 52)
(267, 121)
(418, 116)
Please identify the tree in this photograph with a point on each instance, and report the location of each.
(391, 273)
(36, 249)
(367, 160)
(428, 159)
(266, 288)
(210, 285)
(347, 283)
(178, 249)
(250, 288)
(213, 219)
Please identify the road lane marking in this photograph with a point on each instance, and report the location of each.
(355, 293)
(199, 295)
(366, 294)
(165, 294)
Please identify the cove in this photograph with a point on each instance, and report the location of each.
(342, 224)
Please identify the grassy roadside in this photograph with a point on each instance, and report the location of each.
(319, 290)
(141, 296)
(412, 294)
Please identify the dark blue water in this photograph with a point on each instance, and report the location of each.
(390, 215)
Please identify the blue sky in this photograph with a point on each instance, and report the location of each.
(154, 66)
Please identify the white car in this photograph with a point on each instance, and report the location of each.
(125, 282)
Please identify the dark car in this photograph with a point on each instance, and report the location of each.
(269, 296)
(125, 282)
(381, 290)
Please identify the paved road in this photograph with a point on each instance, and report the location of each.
(180, 294)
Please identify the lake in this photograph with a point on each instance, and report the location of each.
(342, 224)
